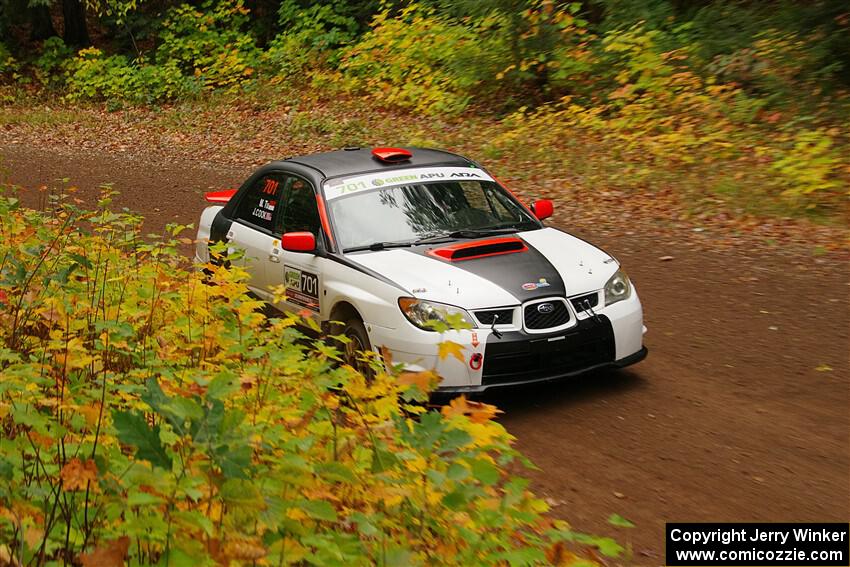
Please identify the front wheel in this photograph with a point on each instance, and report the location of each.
(358, 343)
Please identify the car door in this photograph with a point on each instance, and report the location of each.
(253, 229)
(299, 272)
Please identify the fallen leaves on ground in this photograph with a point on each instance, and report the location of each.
(591, 193)
(107, 554)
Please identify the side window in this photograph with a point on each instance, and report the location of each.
(300, 210)
(258, 205)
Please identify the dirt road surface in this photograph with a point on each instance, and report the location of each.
(741, 412)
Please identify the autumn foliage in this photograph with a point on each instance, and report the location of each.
(154, 414)
(746, 100)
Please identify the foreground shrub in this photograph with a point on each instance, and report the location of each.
(150, 416)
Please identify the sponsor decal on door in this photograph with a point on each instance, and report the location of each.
(302, 288)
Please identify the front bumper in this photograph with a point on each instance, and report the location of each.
(613, 339)
(622, 363)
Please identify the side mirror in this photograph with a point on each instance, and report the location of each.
(542, 209)
(298, 242)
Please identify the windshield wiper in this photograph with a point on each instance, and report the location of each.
(378, 246)
(465, 233)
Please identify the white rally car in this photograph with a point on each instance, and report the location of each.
(387, 240)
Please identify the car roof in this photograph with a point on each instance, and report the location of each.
(351, 161)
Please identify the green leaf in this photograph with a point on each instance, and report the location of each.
(81, 260)
(619, 521)
(485, 471)
(457, 472)
(608, 547)
(222, 385)
(133, 430)
(382, 460)
(336, 472)
(454, 500)
(233, 461)
(319, 510)
(138, 498)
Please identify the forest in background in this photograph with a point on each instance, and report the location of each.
(147, 417)
(750, 97)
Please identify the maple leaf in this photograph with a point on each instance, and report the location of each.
(477, 412)
(450, 348)
(108, 554)
(77, 474)
(422, 380)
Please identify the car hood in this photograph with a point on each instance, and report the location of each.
(553, 264)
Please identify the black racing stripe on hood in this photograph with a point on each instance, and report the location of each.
(347, 262)
(510, 271)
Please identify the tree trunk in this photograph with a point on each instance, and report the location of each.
(76, 32)
(42, 24)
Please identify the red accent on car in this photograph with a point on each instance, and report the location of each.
(479, 249)
(298, 242)
(506, 188)
(543, 209)
(476, 360)
(391, 155)
(220, 197)
(323, 215)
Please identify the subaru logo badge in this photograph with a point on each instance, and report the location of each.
(545, 308)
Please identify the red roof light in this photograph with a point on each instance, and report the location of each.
(391, 155)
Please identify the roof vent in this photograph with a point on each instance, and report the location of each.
(391, 155)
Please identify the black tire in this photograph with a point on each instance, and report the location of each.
(358, 343)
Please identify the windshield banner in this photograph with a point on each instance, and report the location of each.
(336, 188)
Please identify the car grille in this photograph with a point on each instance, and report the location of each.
(579, 302)
(589, 344)
(536, 320)
(506, 316)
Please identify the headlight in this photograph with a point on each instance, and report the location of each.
(430, 315)
(618, 288)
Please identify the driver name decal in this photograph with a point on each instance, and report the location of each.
(336, 188)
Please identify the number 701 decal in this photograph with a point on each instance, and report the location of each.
(302, 288)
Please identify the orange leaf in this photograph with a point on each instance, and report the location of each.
(422, 380)
(558, 554)
(387, 356)
(76, 474)
(450, 348)
(244, 549)
(109, 554)
(477, 412)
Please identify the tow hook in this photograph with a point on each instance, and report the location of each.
(496, 333)
(588, 309)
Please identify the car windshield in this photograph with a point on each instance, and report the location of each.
(405, 214)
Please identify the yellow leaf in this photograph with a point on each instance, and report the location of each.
(450, 348)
